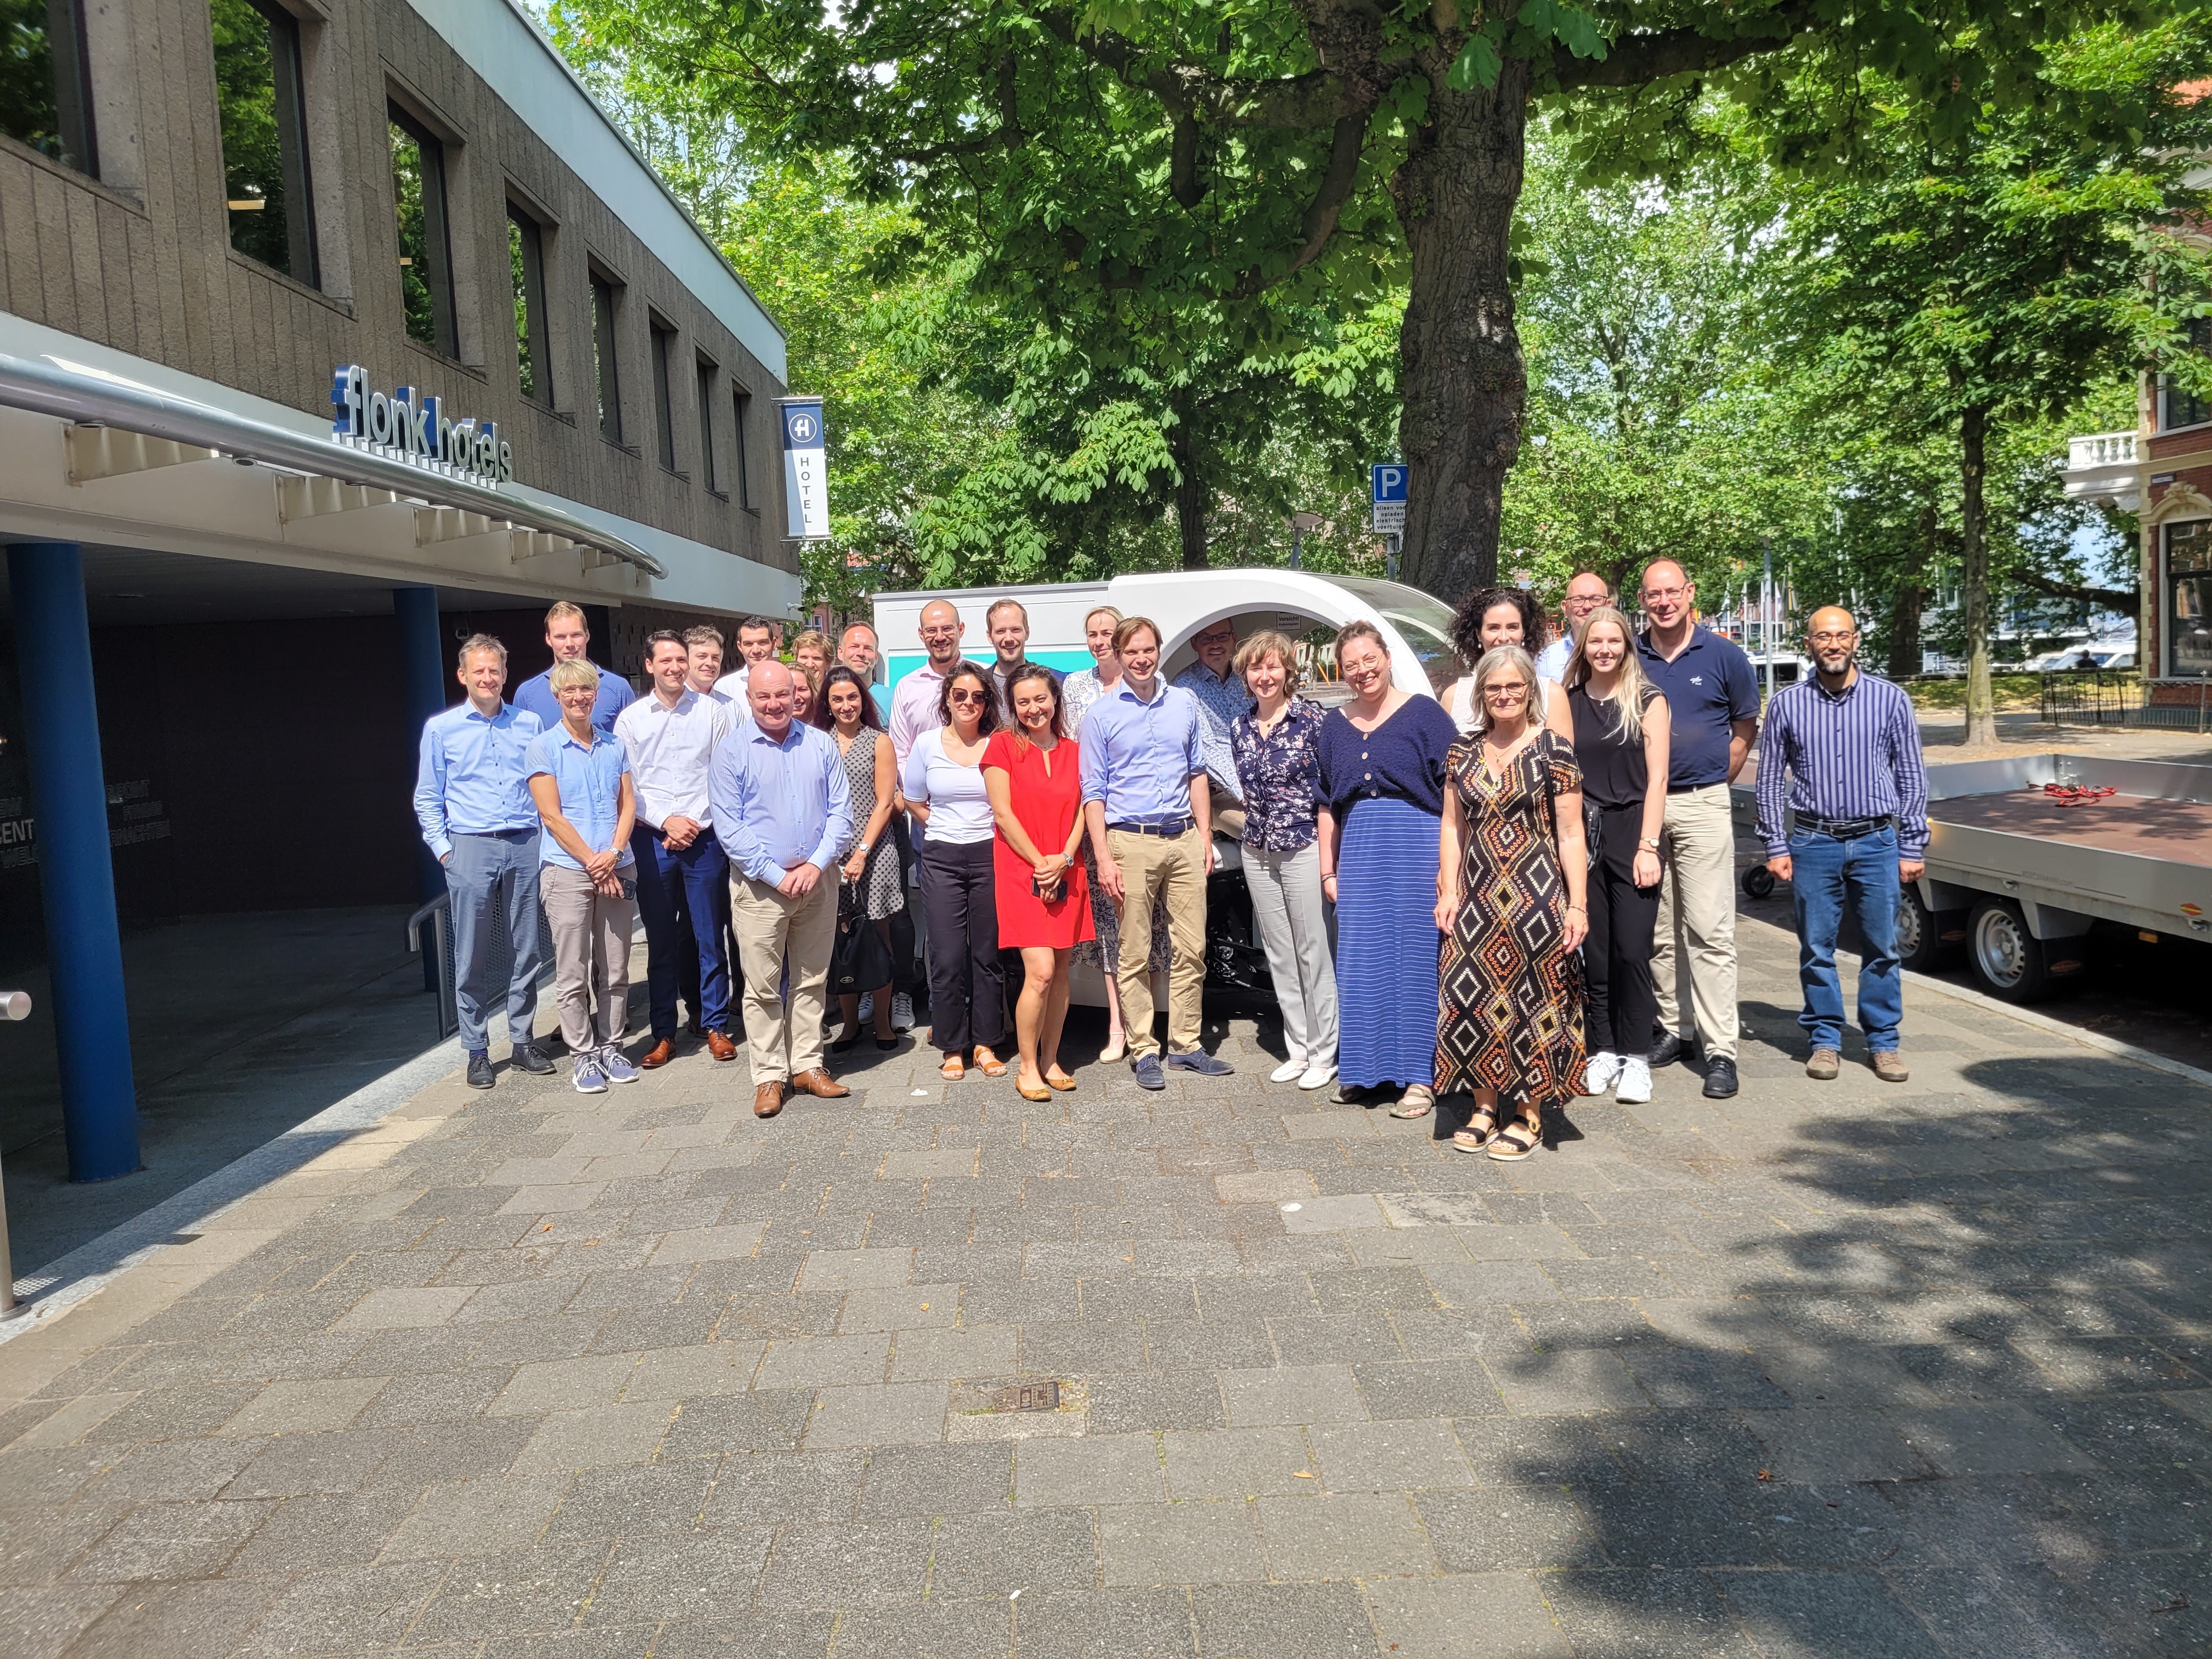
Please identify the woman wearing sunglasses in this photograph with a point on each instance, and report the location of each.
(943, 782)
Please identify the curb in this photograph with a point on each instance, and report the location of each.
(52, 1289)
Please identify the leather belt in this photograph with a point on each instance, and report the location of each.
(1843, 828)
(1167, 829)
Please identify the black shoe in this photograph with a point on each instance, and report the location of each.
(1720, 1077)
(1667, 1050)
(480, 1075)
(529, 1057)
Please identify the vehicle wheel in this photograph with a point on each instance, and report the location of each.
(2007, 959)
(1928, 939)
(1758, 882)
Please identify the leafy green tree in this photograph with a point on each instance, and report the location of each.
(1134, 176)
(1959, 289)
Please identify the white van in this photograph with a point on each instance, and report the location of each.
(1299, 603)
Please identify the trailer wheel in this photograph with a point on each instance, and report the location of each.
(1928, 939)
(1758, 882)
(2008, 959)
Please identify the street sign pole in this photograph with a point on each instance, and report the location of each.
(1386, 493)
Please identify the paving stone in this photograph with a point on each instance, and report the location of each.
(1335, 1340)
(170, 1542)
(400, 1310)
(974, 1629)
(1287, 1621)
(454, 1451)
(870, 1563)
(1239, 1463)
(1834, 1444)
(1652, 1615)
(1799, 1615)
(1212, 1541)
(1442, 1617)
(974, 1350)
(1105, 1624)
(693, 1372)
(1175, 1400)
(1576, 1381)
(887, 1413)
(504, 1595)
(1004, 1555)
(1344, 1534)
(1122, 1468)
(199, 1620)
(40, 1623)
(174, 1472)
(794, 1635)
(1507, 1527)
(765, 1489)
(1670, 1524)
(1436, 1388)
(925, 1480)
(710, 1575)
(474, 1517)
(1999, 1437)
(1293, 1394)
(630, 1502)
(2001, 1613)
(1399, 1456)
(766, 1420)
(588, 1439)
(335, 1609)
(823, 1361)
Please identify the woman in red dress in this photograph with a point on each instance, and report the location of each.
(1031, 775)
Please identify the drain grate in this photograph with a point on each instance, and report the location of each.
(1028, 1397)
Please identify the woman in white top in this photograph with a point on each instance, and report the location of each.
(943, 782)
(1491, 617)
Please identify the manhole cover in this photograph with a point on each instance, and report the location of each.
(1028, 1397)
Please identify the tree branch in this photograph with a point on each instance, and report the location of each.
(1297, 100)
(1327, 207)
(2112, 598)
(1634, 60)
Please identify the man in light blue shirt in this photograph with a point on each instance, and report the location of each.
(1221, 698)
(783, 809)
(1586, 591)
(1150, 812)
(472, 799)
(570, 636)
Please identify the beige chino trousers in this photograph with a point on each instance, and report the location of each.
(784, 1038)
(1175, 869)
(1693, 944)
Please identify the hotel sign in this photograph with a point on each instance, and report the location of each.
(413, 426)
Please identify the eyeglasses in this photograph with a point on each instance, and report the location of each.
(1506, 693)
(964, 696)
(1651, 593)
(1833, 637)
(1222, 637)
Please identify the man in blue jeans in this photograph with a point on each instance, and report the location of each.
(1842, 751)
(472, 799)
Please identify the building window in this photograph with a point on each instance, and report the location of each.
(2178, 408)
(741, 410)
(264, 135)
(606, 385)
(664, 390)
(426, 265)
(708, 472)
(45, 100)
(2189, 598)
(525, 252)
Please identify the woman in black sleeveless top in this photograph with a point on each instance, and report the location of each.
(1620, 732)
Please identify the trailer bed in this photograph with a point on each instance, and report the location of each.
(2174, 830)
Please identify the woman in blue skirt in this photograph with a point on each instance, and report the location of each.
(1383, 770)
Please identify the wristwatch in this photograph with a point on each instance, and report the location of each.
(1650, 844)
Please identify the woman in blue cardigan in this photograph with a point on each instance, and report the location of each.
(1382, 769)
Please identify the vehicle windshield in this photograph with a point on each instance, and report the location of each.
(1422, 620)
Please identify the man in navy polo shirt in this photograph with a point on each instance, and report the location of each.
(569, 637)
(1713, 699)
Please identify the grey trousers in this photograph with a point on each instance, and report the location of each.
(591, 957)
(489, 875)
(1294, 925)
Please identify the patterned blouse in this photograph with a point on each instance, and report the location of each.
(1281, 773)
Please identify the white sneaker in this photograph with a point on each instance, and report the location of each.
(901, 1012)
(1319, 1075)
(1635, 1086)
(1598, 1075)
(867, 1006)
(1293, 1067)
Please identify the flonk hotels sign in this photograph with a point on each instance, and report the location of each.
(806, 471)
(413, 426)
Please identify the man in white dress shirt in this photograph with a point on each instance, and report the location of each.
(755, 644)
(682, 875)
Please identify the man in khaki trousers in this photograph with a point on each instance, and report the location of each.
(1712, 697)
(783, 808)
(1149, 809)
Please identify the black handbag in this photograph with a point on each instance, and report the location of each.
(863, 962)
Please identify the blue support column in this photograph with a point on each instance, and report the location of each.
(423, 671)
(68, 796)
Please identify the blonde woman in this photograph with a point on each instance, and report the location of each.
(1511, 901)
(811, 651)
(1076, 693)
(1621, 729)
(1277, 746)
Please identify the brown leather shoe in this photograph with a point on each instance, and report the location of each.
(819, 1084)
(768, 1099)
(658, 1055)
(720, 1046)
(1889, 1066)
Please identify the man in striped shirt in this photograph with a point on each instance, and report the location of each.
(1842, 750)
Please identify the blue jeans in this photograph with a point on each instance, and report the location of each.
(683, 897)
(487, 875)
(1828, 875)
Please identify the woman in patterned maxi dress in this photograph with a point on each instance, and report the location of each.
(1510, 899)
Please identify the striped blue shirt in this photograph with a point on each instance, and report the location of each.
(1851, 754)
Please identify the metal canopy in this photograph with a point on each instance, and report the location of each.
(93, 402)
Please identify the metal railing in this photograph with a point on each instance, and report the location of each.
(14, 1005)
(2100, 697)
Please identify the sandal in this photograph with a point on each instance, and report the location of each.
(988, 1063)
(1419, 1101)
(952, 1071)
(1514, 1142)
(1059, 1079)
(1481, 1128)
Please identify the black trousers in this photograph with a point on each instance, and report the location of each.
(1620, 1010)
(967, 988)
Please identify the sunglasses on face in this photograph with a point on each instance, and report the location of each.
(964, 697)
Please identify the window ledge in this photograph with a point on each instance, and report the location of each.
(474, 371)
(304, 290)
(130, 201)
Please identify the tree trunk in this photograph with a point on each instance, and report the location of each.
(1190, 488)
(1461, 377)
(1910, 598)
(1974, 575)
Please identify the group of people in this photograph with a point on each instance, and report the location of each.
(1569, 798)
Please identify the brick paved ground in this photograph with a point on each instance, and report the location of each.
(1833, 1370)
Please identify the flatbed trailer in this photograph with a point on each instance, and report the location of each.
(2027, 853)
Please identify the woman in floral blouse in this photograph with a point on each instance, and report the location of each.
(1279, 763)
